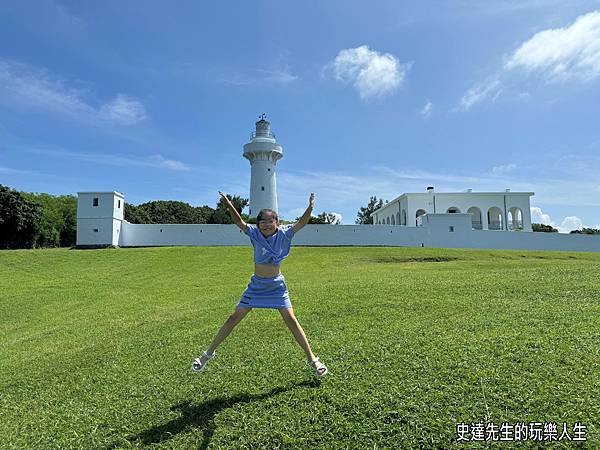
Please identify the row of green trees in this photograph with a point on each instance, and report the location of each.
(586, 231)
(36, 220)
(161, 211)
(550, 229)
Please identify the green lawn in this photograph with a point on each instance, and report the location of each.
(96, 348)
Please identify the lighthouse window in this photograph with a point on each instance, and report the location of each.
(262, 188)
(95, 201)
(268, 170)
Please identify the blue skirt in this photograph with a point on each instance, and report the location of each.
(266, 293)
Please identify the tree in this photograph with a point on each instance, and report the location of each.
(586, 231)
(58, 222)
(323, 218)
(161, 211)
(68, 234)
(19, 219)
(543, 228)
(364, 214)
(221, 214)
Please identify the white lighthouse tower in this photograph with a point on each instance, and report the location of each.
(262, 151)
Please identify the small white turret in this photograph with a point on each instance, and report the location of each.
(99, 218)
(263, 152)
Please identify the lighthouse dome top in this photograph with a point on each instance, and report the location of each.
(263, 128)
(263, 143)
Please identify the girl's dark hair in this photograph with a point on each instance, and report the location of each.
(266, 210)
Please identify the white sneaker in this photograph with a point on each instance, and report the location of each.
(318, 367)
(198, 365)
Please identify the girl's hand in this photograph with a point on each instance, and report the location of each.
(224, 197)
(311, 200)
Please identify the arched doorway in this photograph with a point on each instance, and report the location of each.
(495, 218)
(420, 212)
(515, 218)
(393, 220)
(403, 217)
(475, 217)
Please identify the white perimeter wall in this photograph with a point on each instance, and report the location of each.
(436, 233)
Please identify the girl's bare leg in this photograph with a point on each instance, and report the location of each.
(235, 318)
(292, 323)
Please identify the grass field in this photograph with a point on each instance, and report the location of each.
(96, 348)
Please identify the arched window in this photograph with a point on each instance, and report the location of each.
(387, 221)
(397, 218)
(393, 220)
(515, 218)
(403, 217)
(475, 217)
(453, 210)
(420, 212)
(495, 218)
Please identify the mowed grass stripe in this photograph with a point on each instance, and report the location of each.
(96, 347)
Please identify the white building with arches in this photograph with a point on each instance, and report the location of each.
(498, 211)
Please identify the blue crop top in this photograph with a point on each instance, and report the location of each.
(272, 249)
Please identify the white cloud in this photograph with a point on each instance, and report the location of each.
(501, 170)
(124, 110)
(10, 171)
(571, 53)
(489, 89)
(373, 74)
(281, 75)
(22, 86)
(537, 216)
(292, 213)
(157, 161)
(426, 110)
(559, 54)
(568, 224)
(161, 162)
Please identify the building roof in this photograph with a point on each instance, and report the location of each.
(102, 192)
(469, 193)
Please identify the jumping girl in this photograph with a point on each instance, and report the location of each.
(267, 288)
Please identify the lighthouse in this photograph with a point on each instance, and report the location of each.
(263, 152)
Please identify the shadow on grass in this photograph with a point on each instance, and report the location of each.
(202, 416)
(412, 259)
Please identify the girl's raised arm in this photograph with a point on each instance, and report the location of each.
(306, 216)
(237, 219)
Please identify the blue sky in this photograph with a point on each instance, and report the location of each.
(367, 98)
